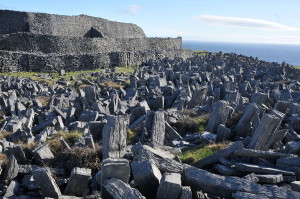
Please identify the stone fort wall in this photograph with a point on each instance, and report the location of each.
(28, 42)
(60, 25)
(34, 62)
(42, 42)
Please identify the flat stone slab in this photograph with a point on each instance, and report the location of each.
(226, 186)
(252, 168)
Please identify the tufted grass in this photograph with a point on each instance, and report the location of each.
(201, 52)
(70, 137)
(190, 156)
(192, 124)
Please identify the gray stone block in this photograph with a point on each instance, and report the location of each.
(120, 190)
(170, 186)
(43, 178)
(114, 136)
(146, 177)
(78, 182)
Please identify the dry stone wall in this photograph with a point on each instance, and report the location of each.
(21, 61)
(57, 44)
(47, 43)
(60, 25)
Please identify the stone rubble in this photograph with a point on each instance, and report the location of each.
(252, 106)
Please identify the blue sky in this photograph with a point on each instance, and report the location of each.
(253, 21)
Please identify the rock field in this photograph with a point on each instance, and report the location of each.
(119, 135)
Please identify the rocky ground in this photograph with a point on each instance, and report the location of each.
(213, 126)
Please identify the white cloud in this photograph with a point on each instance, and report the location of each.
(132, 9)
(243, 22)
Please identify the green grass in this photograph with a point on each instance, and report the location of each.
(70, 137)
(192, 124)
(192, 155)
(56, 77)
(125, 69)
(201, 52)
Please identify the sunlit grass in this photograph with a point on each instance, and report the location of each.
(201, 52)
(192, 155)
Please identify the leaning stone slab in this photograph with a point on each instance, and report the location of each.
(78, 182)
(270, 179)
(170, 186)
(114, 136)
(223, 133)
(120, 190)
(216, 156)
(43, 153)
(43, 178)
(154, 131)
(226, 186)
(252, 168)
(260, 154)
(218, 116)
(243, 127)
(162, 160)
(146, 177)
(11, 170)
(268, 125)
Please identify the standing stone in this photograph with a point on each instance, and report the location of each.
(218, 116)
(43, 178)
(119, 190)
(197, 98)
(243, 128)
(11, 170)
(146, 176)
(267, 126)
(114, 136)
(78, 182)
(259, 98)
(186, 193)
(170, 186)
(223, 133)
(154, 131)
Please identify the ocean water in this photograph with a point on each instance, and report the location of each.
(267, 52)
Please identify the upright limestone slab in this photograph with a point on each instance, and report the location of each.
(267, 126)
(114, 136)
(218, 116)
(154, 131)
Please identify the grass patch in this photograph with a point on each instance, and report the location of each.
(112, 84)
(125, 69)
(192, 124)
(70, 137)
(4, 159)
(131, 136)
(4, 134)
(29, 146)
(190, 156)
(201, 52)
(79, 157)
(44, 100)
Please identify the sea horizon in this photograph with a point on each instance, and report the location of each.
(289, 53)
